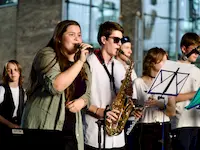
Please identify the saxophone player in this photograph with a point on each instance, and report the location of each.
(186, 124)
(152, 130)
(107, 74)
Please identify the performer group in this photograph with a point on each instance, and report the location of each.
(73, 85)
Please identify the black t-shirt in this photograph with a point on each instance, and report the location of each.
(70, 118)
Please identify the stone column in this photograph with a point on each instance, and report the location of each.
(36, 20)
(131, 11)
(7, 35)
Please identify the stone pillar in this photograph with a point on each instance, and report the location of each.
(131, 11)
(7, 35)
(36, 20)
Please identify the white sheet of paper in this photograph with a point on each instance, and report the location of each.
(170, 79)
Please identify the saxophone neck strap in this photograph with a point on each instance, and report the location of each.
(111, 76)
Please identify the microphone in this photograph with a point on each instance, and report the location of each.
(78, 46)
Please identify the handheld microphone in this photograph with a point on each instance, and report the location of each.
(78, 46)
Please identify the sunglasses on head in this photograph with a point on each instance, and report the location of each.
(115, 39)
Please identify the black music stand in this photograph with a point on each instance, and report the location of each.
(169, 81)
(102, 122)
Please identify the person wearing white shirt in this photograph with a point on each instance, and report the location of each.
(186, 123)
(153, 126)
(104, 88)
(12, 97)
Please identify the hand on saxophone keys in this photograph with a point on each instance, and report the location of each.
(112, 115)
(137, 112)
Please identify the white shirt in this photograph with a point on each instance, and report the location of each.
(151, 114)
(184, 117)
(15, 95)
(101, 96)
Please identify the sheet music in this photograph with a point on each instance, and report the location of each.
(170, 79)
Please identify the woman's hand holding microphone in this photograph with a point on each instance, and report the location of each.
(84, 51)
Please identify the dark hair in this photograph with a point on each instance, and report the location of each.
(106, 29)
(5, 76)
(189, 38)
(153, 56)
(125, 39)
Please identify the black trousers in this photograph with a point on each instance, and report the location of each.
(151, 136)
(185, 138)
(87, 147)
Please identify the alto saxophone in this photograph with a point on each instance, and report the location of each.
(123, 104)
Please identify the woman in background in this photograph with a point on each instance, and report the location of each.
(12, 97)
(152, 131)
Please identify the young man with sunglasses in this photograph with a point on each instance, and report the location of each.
(107, 74)
(186, 124)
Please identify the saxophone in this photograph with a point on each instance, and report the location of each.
(123, 104)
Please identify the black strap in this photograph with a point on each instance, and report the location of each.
(111, 76)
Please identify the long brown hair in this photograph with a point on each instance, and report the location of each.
(56, 44)
(5, 76)
(153, 56)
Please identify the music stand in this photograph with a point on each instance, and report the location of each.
(170, 79)
(195, 102)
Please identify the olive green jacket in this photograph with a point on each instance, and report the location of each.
(45, 108)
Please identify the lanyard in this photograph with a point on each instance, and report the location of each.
(111, 77)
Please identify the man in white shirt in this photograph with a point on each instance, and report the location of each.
(106, 80)
(186, 124)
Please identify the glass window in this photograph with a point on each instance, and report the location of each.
(80, 1)
(90, 14)
(162, 27)
(8, 2)
(80, 14)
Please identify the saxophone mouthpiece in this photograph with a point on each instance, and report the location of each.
(128, 62)
(122, 52)
(78, 46)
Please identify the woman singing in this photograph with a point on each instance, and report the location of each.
(60, 85)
